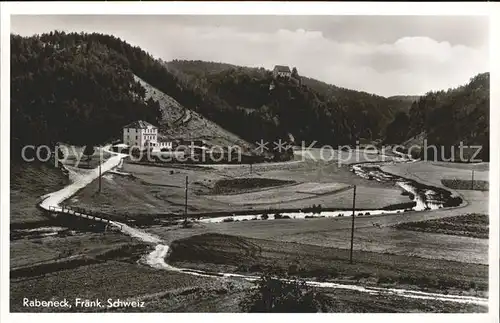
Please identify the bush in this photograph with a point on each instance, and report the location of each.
(278, 216)
(361, 275)
(228, 220)
(187, 224)
(276, 295)
(293, 269)
(385, 280)
(264, 216)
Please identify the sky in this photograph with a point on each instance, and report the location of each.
(385, 55)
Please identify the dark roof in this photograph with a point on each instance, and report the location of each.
(140, 124)
(282, 68)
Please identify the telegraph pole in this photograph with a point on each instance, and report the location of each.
(186, 201)
(422, 152)
(352, 227)
(472, 184)
(100, 173)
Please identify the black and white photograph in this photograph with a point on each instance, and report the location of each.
(248, 163)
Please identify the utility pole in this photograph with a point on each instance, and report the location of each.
(100, 175)
(472, 183)
(422, 152)
(186, 201)
(352, 227)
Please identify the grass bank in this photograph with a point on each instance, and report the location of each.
(468, 225)
(225, 253)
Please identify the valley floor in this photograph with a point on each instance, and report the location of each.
(109, 265)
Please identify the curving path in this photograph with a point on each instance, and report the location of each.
(156, 258)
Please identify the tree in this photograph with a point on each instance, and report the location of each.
(64, 85)
(89, 152)
(397, 130)
(274, 294)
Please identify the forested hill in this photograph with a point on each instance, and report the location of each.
(80, 88)
(448, 117)
(71, 88)
(311, 111)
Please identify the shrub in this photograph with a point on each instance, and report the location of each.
(264, 216)
(228, 220)
(293, 269)
(187, 224)
(278, 216)
(359, 276)
(276, 295)
(385, 280)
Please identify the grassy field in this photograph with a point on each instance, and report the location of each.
(432, 173)
(483, 167)
(469, 225)
(154, 190)
(241, 185)
(347, 157)
(28, 182)
(112, 279)
(289, 196)
(164, 291)
(27, 252)
(246, 255)
(461, 184)
(227, 300)
(375, 233)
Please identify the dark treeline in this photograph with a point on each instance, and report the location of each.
(71, 88)
(448, 117)
(309, 110)
(79, 88)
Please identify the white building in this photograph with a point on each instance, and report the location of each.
(143, 135)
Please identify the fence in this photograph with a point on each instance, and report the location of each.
(83, 213)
